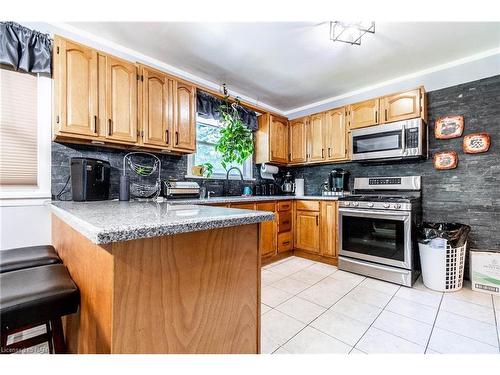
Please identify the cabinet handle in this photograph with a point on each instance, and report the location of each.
(176, 138)
(386, 115)
(322, 153)
(317, 220)
(329, 152)
(95, 124)
(109, 127)
(290, 157)
(286, 222)
(285, 242)
(167, 136)
(376, 116)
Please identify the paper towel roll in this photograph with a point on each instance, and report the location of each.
(299, 187)
(267, 171)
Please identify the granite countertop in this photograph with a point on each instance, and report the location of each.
(113, 221)
(253, 198)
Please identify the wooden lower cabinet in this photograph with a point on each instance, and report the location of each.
(306, 228)
(328, 229)
(267, 239)
(307, 231)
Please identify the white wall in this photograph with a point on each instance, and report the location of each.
(457, 72)
(24, 226)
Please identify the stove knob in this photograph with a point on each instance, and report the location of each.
(355, 204)
(370, 204)
(397, 205)
(386, 205)
(347, 204)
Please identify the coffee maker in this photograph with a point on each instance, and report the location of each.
(338, 182)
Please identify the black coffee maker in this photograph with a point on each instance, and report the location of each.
(338, 181)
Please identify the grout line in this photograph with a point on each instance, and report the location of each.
(434, 323)
(497, 322)
(383, 309)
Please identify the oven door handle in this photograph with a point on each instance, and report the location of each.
(369, 213)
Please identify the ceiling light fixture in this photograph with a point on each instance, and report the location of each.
(350, 32)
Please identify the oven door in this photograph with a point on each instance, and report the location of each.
(376, 235)
(379, 142)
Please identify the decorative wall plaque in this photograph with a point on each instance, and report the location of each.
(445, 160)
(476, 143)
(449, 127)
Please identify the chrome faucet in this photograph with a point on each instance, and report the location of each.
(239, 171)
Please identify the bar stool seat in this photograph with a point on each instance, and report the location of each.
(36, 296)
(27, 257)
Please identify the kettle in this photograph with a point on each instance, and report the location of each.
(288, 186)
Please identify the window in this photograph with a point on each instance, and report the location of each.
(25, 136)
(207, 135)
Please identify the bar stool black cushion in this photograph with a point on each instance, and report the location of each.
(27, 257)
(35, 295)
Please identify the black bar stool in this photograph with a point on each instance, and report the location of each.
(36, 296)
(27, 257)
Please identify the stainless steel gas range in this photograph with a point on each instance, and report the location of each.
(377, 228)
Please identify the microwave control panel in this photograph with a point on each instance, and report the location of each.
(411, 138)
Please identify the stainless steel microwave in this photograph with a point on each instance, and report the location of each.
(398, 140)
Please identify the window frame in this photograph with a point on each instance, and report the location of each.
(18, 195)
(247, 169)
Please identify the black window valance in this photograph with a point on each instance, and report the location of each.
(208, 107)
(25, 49)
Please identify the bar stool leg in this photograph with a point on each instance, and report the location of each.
(50, 334)
(58, 336)
(3, 343)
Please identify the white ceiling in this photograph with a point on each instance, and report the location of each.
(289, 65)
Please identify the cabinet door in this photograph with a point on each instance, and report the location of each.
(185, 117)
(157, 109)
(268, 235)
(335, 134)
(364, 114)
(75, 88)
(328, 234)
(401, 106)
(121, 100)
(278, 140)
(315, 137)
(298, 140)
(307, 231)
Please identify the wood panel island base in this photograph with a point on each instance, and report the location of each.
(196, 292)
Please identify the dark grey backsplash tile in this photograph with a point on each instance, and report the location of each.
(469, 194)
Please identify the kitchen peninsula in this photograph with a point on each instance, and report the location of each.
(159, 278)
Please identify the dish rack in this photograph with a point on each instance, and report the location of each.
(144, 170)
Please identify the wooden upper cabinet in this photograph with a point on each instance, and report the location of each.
(364, 114)
(278, 139)
(328, 232)
(75, 88)
(184, 116)
(336, 134)
(307, 231)
(298, 140)
(401, 106)
(121, 100)
(316, 137)
(157, 107)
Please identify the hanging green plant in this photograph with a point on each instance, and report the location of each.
(236, 142)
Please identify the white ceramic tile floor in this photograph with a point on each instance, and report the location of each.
(315, 308)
